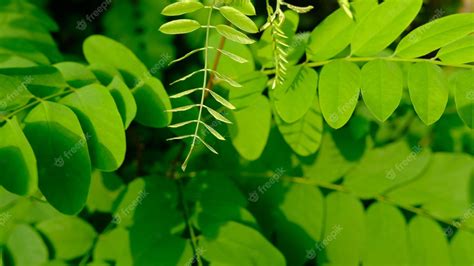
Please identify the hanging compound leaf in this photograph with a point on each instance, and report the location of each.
(18, 163)
(60, 146)
(458, 52)
(304, 136)
(233, 34)
(382, 87)
(339, 87)
(101, 121)
(181, 8)
(428, 91)
(435, 35)
(238, 19)
(383, 25)
(294, 97)
(464, 96)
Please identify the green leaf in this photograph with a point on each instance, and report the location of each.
(435, 35)
(60, 146)
(40, 80)
(245, 7)
(461, 248)
(331, 36)
(304, 136)
(442, 199)
(382, 87)
(371, 177)
(181, 8)
(180, 26)
(152, 102)
(329, 164)
(428, 245)
(114, 246)
(238, 19)
(100, 50)
(104, 190)
(386, 231)
(295, 232)
(102, 124)
(124, 100)
(339, 88)
(236, 244)
(458, 52)
(70, 237)
(253, 85)
(464, 96)
(13, 93)
(344, 231)
(383, 25)
(26, 246)
(295, 96)
(250, 128)
(428, 91)
(19, 173)
(233, 34)
(75, 74)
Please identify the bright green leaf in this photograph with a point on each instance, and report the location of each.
(294, 97)
(238, 19)
(60, 146)
(18, 163)
(428, 91)
(382, 87)
(180, 26)
(435, 35)
(181, 8)
(339, 88)
(383, 25)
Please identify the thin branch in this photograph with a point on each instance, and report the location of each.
(368, 59)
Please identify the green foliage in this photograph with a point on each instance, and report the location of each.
(349, 145)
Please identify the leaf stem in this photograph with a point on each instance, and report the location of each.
(368, 59)
(380, 198)
(203, 93)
